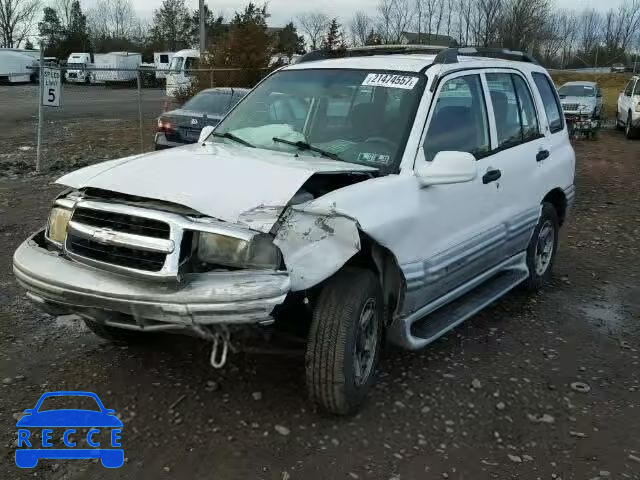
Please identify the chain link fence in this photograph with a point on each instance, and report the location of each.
(103, 114)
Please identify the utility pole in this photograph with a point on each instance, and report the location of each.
(203, 33)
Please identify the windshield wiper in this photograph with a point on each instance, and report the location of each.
(233, 137)
(306, 146)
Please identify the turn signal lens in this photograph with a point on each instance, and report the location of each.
(58, 223)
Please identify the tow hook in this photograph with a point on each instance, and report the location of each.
(221, 346)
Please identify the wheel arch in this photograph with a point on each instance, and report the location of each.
(558, 199)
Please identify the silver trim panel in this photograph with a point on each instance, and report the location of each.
(106, 236)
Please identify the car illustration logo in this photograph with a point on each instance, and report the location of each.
(194, 121)
(102, 439)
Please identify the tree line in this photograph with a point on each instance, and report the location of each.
(558, 37)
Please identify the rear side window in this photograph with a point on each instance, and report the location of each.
(459, 121)
(637, 90)
(550, 101)
(164, 58)
(527, 110)
(629, 89)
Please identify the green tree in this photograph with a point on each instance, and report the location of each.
(289, 42)
(51, 33)
(215, 28)
(28, 44)
(77, 34)
(171, 29)
(333, 40)
(373, 38)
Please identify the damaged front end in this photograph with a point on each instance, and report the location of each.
(149, 265)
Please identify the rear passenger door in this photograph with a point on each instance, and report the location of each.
(518, 147)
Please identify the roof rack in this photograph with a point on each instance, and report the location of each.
(450, 55)
(370, 50)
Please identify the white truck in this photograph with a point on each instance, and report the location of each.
(117, 67)
(344, 200)
(179, 77)
(78, 68)
(17, 66)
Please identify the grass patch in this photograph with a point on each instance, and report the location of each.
(610, 83)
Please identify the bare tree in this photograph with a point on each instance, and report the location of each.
(394, 18)
(314, 25)
(114, 19)
(63, 9)
(590, 28)
(17, 20)
(360, 26)
(523, 24)
(385, 18)
(487, 22)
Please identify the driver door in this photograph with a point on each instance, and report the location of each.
(459, 227)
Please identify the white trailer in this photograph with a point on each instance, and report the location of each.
(124, 67)
(162, 61)
(16, 66)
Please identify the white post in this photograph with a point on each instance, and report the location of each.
(40, 110)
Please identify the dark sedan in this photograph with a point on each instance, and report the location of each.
(183, 125)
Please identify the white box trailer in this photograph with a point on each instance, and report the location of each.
(162, 61)
(16, 66)
(124, 65)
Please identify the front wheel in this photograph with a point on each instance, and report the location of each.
(629, 131)
(345, 340)
(541, 252)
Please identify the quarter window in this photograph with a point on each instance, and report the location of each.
(459, 120)
(550, 100)
(637, 90)
(629, 89)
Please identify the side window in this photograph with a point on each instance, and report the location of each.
(528, 117)
(637, 89)
(629, 89)
(505, 109)
(459, 119)
(550, 101)
(164, 58)
(192, 63)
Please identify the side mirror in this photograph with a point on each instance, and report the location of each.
(29, 411)
(447, 168)
(205, 132)
(109, 411)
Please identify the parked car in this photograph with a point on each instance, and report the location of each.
(183, 125)
(581, 99)
(618, 68)
(347, 199)
(628, 109)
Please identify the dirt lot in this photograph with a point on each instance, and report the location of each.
(493, 399)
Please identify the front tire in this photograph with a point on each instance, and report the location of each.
(629, 131)
(119, 336)
(345, 340)
(541, 252)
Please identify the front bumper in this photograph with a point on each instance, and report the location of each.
(61, 286)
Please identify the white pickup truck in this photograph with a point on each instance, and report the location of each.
(358, 198)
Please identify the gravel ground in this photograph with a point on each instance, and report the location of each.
(496, 398)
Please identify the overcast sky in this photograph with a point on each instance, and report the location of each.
(282, 11)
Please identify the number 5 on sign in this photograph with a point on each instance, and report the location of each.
(52, 87)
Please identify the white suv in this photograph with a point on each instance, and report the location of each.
(628, 111)
(353, 199)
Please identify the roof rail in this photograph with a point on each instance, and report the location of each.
(370, 50)
(450, 55)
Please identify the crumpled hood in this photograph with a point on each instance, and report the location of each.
(226, 182)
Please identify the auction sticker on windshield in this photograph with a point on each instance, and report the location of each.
(389, 80)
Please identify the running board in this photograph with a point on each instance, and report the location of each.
(444, 314)
(448, 317)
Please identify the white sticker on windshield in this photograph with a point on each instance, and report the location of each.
(389, 80)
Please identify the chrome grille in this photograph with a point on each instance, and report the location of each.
(122, 223)
(572, 107)
(116, 255)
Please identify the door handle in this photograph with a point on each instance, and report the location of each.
(542, 155)
(491, 176)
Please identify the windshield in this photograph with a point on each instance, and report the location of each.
(75, 65)
(359, 116)
(65, 402)
(176, 64)
(214, 103)
(577, 91)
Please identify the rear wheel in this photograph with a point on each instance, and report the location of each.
(629, 131)
(116, 335)
(541, 252)
(345, 340)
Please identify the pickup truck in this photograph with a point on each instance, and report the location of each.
(368, 197)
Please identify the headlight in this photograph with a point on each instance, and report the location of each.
(217, 249)
(57, 226)
(638, 108)
(584, 107)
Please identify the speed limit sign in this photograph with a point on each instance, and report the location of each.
(51, 87)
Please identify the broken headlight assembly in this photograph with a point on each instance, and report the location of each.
(57, 225)
(259, 252)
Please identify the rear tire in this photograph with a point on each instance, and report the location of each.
(119, 336)
(629, 131)
(345, 340)
(542, 249)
